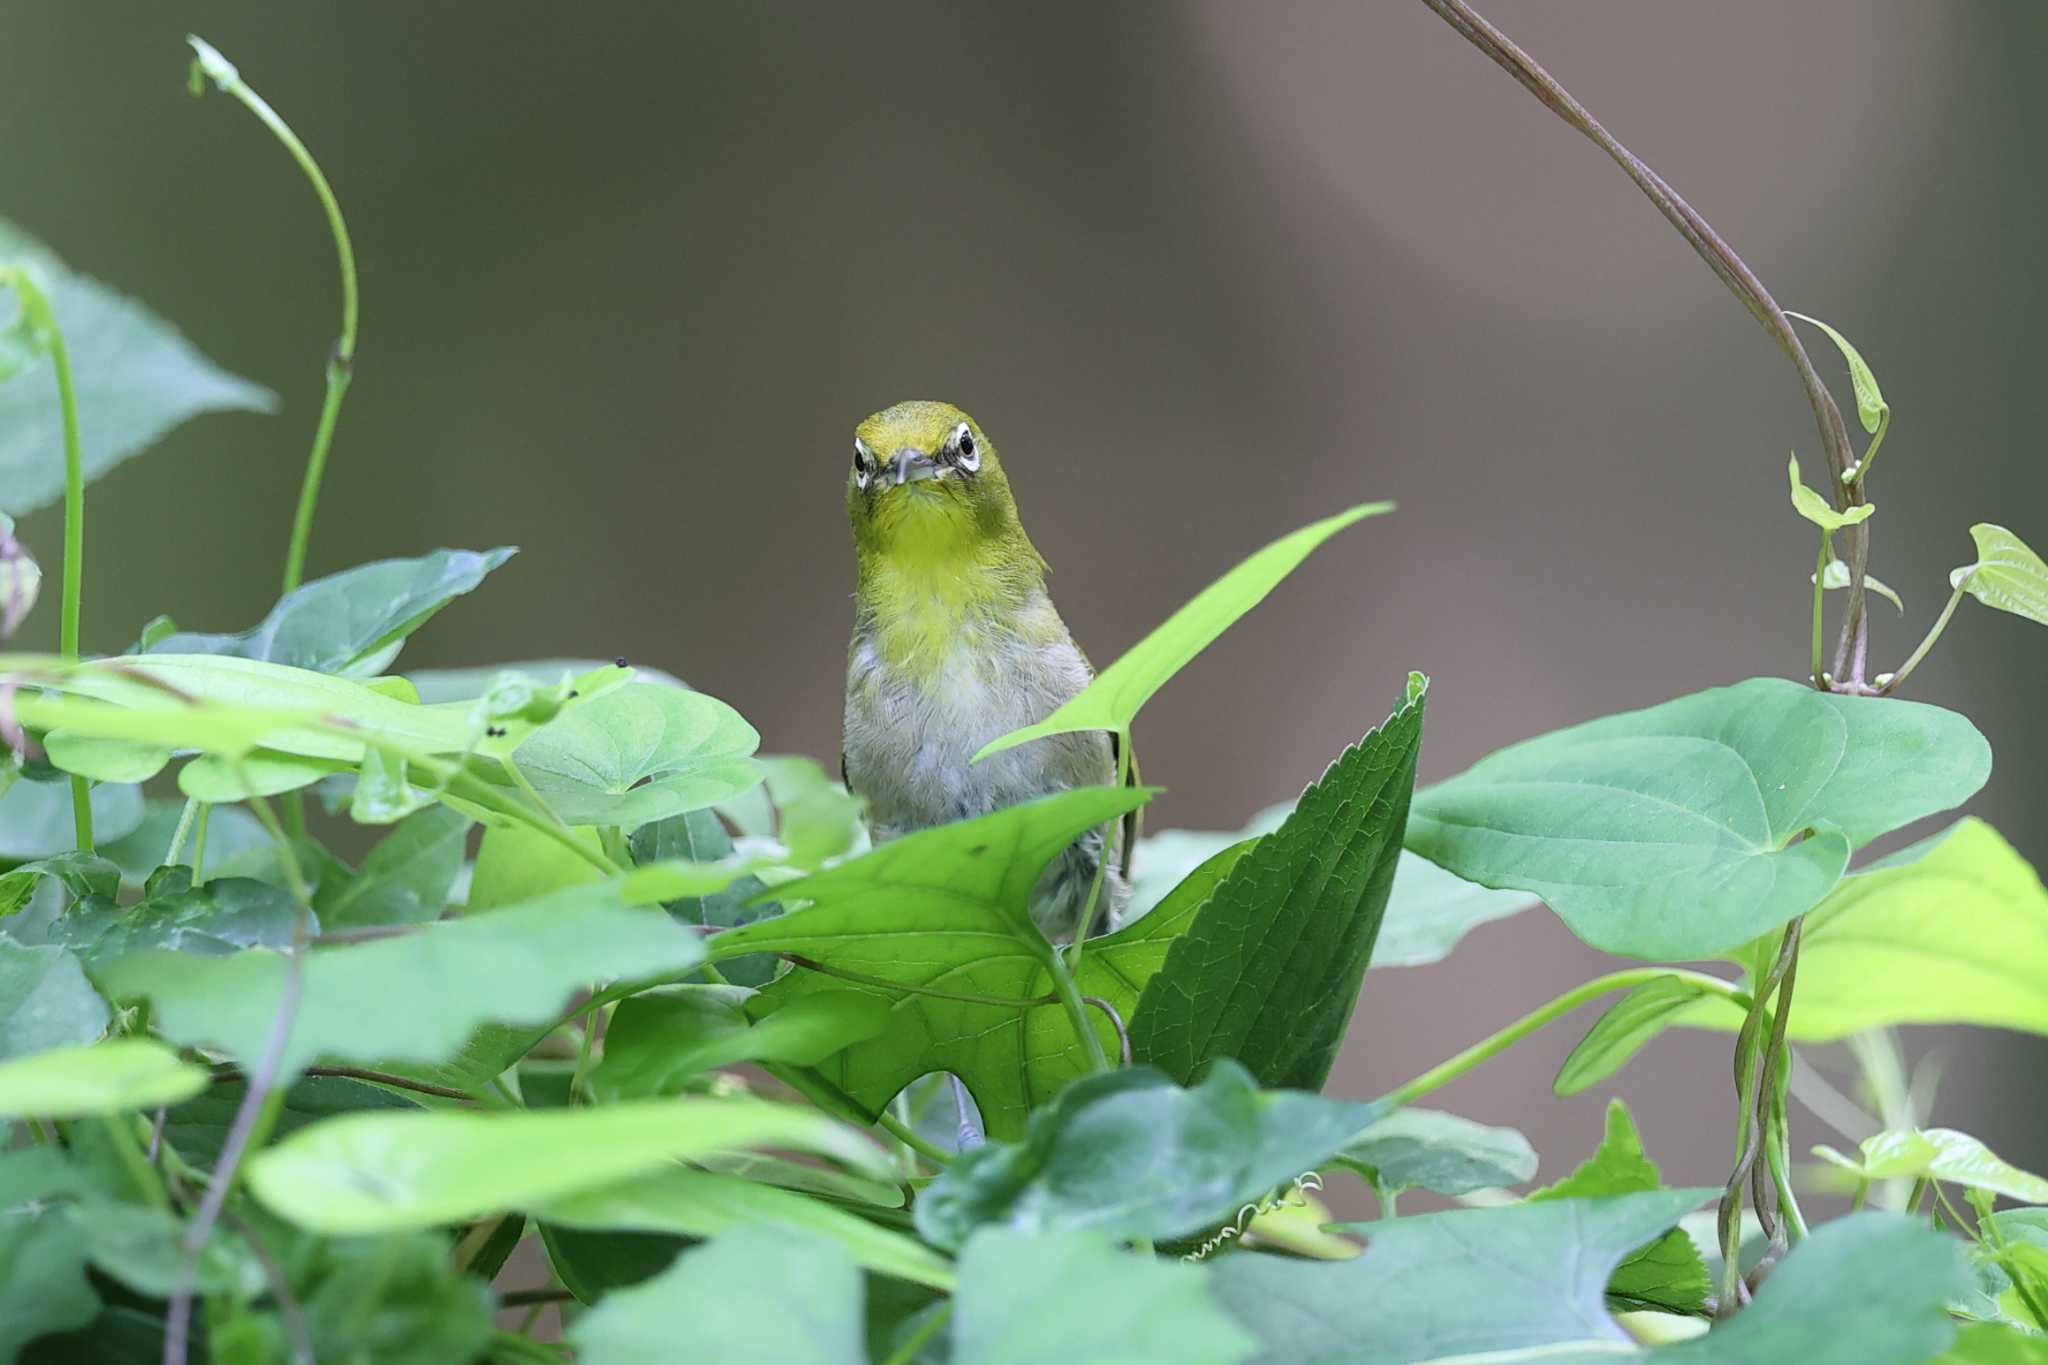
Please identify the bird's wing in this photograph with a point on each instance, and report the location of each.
(1134, 819)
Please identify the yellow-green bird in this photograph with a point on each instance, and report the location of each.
(955, 642)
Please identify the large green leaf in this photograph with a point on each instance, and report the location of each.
(656, 1042)
(1869, 1289)
(352, 622)
(1428, 1149)
(1130, 1153)
(135, 378)
(641, 754)
(432, 988)
(764, 1295)
(42, 1266)
(701, 1203)
(1465, 1282)
(407, 877)
(1269, 969)
(216, 919)
(1939, 1154)
(1113, 700)
(35, 817)
(2007, 575)
(1670, 833)
(1668, 1273)
(391, 1172)
(198, 1128)
(946, 910)
(1076, 1298)
(100, 1078)
(45, 1000)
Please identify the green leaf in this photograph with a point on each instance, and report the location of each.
(1269, 970)
(514, 864)
(1430, 911)
(392, 1172)
(946, 909)
(698, 839)
(1951, 930)
(1868, 1289)
(1428, 1149)
(1989, 1343)
(42, 1265)
(424, 1311)
(1131, 1154)
(1667, 833)
(1836, 575)
(2007, 574)
(45, 1000)
(101, 1078)
(1622, 1030)
(1113, 700)
(226, 914)
(1871, 409)
(1939, 1154)
(640, 754)
(35, 817)
(135, 377)
(764, 1295)
(696, 1203)
(1076, 1298)
(657, 1042)
(1819, 510)
(818, 818)
(1668, 1274)
(1468, 1281)
(230, 832)
(143, 1248)
(407, 877)
(441, 686)
(198, 1128)
(353, 622)
(81, 875)
(433, 988)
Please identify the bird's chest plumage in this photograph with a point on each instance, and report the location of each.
(915, 718)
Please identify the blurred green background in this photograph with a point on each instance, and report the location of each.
(1205, 271)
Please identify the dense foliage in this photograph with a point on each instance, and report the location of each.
(261, 1104)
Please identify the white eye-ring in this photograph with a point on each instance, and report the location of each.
(862, 462)
(965, 449)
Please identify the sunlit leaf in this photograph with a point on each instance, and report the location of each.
(656, 1042)
(1428, 1149)
(1939, 1154)
(352, 622)
(1113, 700)
(640, 754)
(1818, 509)
(135, 378)
(2007, 575)
(1672, 833)
(1129, 1153)
(391, 1172)
(99, 1078)
(1871, 409)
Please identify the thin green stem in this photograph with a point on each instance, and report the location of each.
(1780, 1152)
(1123, 779)
(1891, 684)
(1492, 1046)
(177, 848)
(1077, 1011)
(926, 1330)
(1820, 570)
(121, 1134)
(579, 1079)
(199, 845)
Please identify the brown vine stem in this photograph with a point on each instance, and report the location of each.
(1853, 648)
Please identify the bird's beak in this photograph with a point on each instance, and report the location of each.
(912, 466)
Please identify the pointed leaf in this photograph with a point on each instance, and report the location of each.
(1619, 1033)
(2007, 575)
(1836, 575)
(1939, 1154)
(1818, 509)
(1871, 409)
(1113, 700)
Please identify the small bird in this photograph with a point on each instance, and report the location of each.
(956, 642)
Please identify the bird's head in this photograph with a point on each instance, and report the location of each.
(926, 483)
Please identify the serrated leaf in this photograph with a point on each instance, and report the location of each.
(2007, 575)
(353, 622)
(392, 1172)
(1668, 1273)
(1871, 409)
(946, 909)
(45, 1000)
(1269, 969)
(1131, 1154)
(1938, 1154)
(1668, 833)
(1429, 1149)
(640, 754)
(100, 1078)
(1467, 1282)
(1116, 695)
(1818, 509)
(761, 1294)
(1077, 1298)
(136, 378)
(433, 988)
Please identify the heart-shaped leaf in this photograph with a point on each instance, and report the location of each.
(2007, 575)
(641, 754)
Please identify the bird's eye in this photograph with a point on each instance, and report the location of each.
(860, 465)
(965, 451)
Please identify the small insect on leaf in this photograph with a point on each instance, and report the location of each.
(1816, 508)
(2008, 574)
